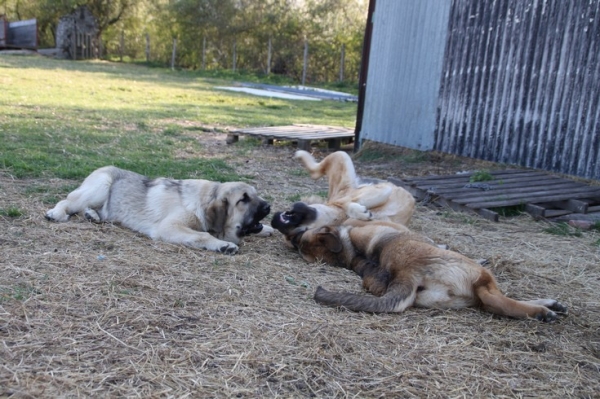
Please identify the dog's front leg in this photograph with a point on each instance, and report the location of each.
(267, 231)
(196, 239)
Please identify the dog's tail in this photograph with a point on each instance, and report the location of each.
(395, 300)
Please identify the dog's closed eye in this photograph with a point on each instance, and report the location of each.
(245, 198)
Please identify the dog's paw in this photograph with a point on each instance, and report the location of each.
(92, 215)
(557, 307)
(358, 211)
(56, 216)
(547, 316)
(550, 307)
(228, 249)
(266, 231)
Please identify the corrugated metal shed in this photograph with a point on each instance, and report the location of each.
(405, 68)
(517, 81)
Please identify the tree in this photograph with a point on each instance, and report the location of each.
(250, 24)
(48, 12)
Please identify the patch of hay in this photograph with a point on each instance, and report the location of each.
(88, 310)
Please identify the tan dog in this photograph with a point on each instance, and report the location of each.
(347, 198)
(194, 212)
(380, 201)
(404, 270)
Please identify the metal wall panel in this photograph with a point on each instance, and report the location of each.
(405, 67)
(521, 84)
(519, 81)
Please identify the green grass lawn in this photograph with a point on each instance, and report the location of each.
(65, 119)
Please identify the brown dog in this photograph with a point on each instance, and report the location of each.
(404, 270)
(347, 198)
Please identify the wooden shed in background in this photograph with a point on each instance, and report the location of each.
(510, 81)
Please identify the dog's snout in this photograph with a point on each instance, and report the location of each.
(265, 208)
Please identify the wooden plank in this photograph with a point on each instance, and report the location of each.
(460, 188)
(479, 195)
(594, 217)
(540, 211)
(300, 136)
(315, 129)
(486, 213)
(572, 205)
(466, 176)
(535, 210)
(459, 182)
(334, 144)
(542, 197)
(304, 145)
(533, 197)
(551, 213)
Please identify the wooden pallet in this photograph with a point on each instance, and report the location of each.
(303, 134)
(543, 195)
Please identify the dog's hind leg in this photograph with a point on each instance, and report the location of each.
(338, 168)
(374, 195)
(91, 194)
(495, 302)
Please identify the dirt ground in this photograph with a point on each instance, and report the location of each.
(100, 311)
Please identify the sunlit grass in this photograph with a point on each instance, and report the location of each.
(64, 118)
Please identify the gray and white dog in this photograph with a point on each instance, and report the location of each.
(194, 212)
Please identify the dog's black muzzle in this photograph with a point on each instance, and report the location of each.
(287, 221)
(255, 226)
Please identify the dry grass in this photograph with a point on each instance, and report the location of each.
(100, 311)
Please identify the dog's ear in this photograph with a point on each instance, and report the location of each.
(330, 238)
(216, 215)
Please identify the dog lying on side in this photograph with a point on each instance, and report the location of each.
(403, 270)
(194, 212)
(347, 197)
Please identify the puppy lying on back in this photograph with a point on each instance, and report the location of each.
(347, 197)
(403, 270)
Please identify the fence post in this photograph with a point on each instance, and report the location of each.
(121, 46)
(203, 53)
(269, 57)
(74, 42)
(342, 61)
(234, 53)
(305, 61)
(147, 47)
(88, 46)
(173, 54)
